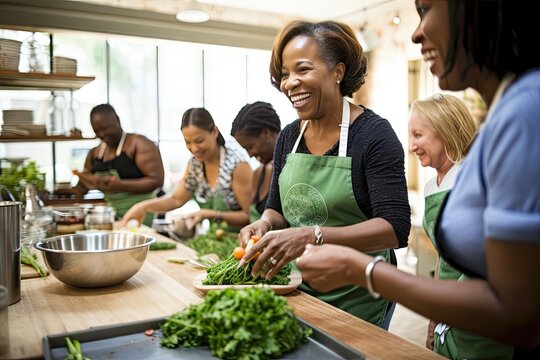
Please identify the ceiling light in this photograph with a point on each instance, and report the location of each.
(192, 12)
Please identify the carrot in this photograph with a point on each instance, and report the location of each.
(255, 238)
(239, 253)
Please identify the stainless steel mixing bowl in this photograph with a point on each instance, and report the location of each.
(95, 259)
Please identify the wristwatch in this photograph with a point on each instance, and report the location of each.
(318, 235)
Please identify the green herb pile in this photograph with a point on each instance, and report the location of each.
(215, 241)
(29, 258)
(252, 323)
(226, 273)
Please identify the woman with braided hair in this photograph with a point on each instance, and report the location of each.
(256, 128)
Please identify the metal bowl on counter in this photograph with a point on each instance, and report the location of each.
(95, 259)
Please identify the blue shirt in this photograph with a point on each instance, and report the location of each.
(497, 192)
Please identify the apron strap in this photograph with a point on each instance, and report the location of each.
(299, 136)
(103, 146)
(121, 144)
(344, 132)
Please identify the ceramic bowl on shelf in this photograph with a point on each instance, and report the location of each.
(93, 260)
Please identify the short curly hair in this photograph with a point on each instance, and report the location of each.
(337, 43)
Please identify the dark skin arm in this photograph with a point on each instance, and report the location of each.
(288, 244)
(505, 307)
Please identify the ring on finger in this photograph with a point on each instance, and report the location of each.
(273, 261)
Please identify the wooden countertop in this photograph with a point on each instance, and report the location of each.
(159, 289)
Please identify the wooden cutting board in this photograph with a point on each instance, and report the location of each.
(296, 279)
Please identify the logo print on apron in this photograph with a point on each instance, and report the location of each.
(309, 206)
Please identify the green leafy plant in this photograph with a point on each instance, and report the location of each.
(237, 324)
(227, 273)
(215, 241)
(16, 176)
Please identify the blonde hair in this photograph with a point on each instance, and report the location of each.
(451, 120)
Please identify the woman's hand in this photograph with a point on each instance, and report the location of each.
(106, 183)
(137, 212)
(198, 216)
(330, 267)
(277, 248)
(259, 228)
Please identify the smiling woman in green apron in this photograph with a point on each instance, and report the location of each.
(256, 128)
(338, 170)
(489, 225)
(441, 129)
(126, 167)
(217, 178)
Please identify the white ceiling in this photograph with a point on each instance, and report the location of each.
(274, 13)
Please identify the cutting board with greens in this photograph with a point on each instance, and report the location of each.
(226, 274)
(31, 266)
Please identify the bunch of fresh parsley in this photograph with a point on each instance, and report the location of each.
(251, 323)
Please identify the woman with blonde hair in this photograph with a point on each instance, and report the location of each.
(441, 129)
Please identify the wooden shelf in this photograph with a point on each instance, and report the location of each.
(24, 138)
(14, 80)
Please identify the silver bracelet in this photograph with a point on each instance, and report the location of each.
(319, 239)
(269, 224)
(369, 270)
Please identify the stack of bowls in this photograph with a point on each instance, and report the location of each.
(64, 65)
(10, 54)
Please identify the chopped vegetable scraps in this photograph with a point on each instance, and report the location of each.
(162, 245)
(74, 350)
(29, 258)
(237, 324)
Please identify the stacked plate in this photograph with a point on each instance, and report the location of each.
(10, 54)
(64, 65)
(20, 122)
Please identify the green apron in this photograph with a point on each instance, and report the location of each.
(254, 214)
(317, 190)
(217, 201)
(123, 201)
(451, 342)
